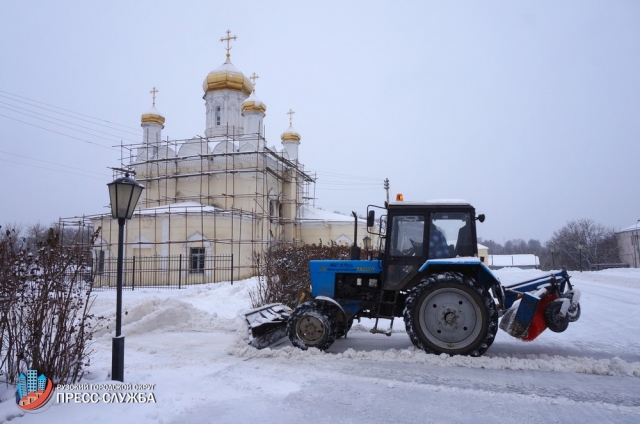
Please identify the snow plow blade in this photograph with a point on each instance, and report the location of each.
(535, 305)
(267, 324)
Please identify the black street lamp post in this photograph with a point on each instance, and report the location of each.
(366, 241)
(553, 259)
(580, 246)
(124, 194)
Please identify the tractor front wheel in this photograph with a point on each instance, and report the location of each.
(311, 325)
(451, 313)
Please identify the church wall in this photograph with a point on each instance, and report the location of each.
(227, 120)
(327, 231)
(152, 134)
(253, 122)
(157, 192)
(165, 235)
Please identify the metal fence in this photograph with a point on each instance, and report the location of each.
(598, 267)
(173, 272)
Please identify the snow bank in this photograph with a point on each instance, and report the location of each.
(552, 363)
(218, 308)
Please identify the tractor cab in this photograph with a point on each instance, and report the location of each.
(414, 232)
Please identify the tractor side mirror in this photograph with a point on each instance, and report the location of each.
(371, 218)
(480, 217)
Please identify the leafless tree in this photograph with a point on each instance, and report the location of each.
(583, 242)
(515, 247)
(495, 248)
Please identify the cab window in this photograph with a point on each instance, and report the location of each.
(408, 235)
(454, 229)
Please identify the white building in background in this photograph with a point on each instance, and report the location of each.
(524, 261)
(628, 246)
(228, 193)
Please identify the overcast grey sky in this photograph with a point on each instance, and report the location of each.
(529, 110)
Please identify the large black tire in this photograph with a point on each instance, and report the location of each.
(311, 325)
(555, 322)
(451, 313)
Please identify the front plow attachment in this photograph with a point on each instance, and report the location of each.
(535, 305)
(267, 324)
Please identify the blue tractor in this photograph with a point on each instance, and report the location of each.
(428, 273)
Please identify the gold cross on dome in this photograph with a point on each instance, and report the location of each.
(228, 39)
(153, 92)
(290, 113)
(253, 78)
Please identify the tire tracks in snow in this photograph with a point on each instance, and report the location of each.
(609, 390)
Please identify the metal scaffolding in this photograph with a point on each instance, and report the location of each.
(224, 195)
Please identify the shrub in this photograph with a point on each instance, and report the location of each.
(284, 272)
(45, 319)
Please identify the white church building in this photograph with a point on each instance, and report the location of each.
(219, 201)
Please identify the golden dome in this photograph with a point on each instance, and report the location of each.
(152, 117)
(290, 135)
(227, 77)
(253, 104)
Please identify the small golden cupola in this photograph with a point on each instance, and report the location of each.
(253, 103)
(152, 123)
(291, 138)
(290, 135)
(253, 112)
(152, 116)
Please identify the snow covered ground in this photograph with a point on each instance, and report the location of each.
(191, 345)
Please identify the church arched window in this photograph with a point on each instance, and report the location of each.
(272, 199)
(218, 115)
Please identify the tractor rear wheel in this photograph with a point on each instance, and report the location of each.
(451, 313)
(311, 325)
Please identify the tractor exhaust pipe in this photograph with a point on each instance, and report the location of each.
(355, 250)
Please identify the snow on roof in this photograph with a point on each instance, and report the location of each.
(253, 98)
(634, 227)
(153, 111)
(434, 202)
(513, 260)
(179, 207)
(312, 214)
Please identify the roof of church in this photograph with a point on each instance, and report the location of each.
(226, 76)
(152, 116)
(184, 207)
(634, 227)
(290, 135)
(313, 214)
(254, 104)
